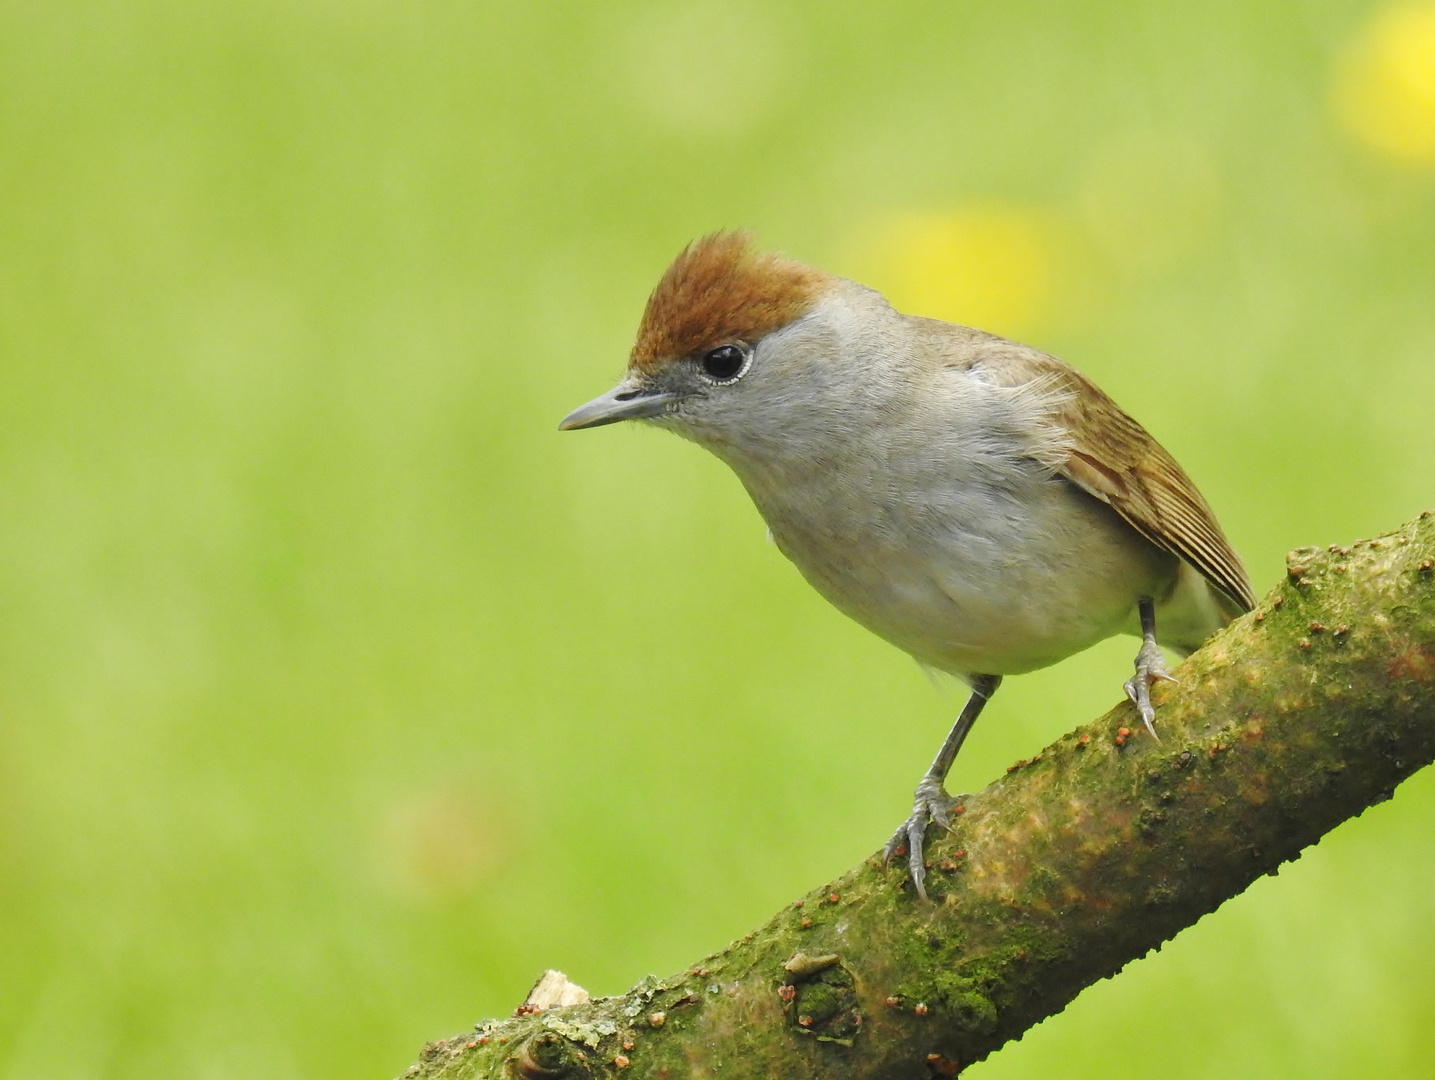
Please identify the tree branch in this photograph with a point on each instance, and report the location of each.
(1083, 858)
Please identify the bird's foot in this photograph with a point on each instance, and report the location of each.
(932, 803)
(1150, 669)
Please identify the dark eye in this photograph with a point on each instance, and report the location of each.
(724, 363)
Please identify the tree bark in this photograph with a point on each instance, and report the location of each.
(1088, 855)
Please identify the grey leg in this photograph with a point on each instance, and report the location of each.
(1150, 666)
(932, 803)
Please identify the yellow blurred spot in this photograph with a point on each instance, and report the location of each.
(986, 266)
(1385, 89)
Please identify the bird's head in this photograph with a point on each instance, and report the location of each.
(730, 336)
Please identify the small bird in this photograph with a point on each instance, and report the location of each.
(977, 503)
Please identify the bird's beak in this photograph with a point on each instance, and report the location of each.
(626, 401)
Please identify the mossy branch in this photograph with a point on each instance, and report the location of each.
(1085, 857)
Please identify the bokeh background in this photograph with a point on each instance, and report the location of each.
(340, 694)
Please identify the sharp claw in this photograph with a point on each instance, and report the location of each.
(894, 846)
(915, 862)
(1150, 669)
(932, 804)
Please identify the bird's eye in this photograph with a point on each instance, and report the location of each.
(725, 363)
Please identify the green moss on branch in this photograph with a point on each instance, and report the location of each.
(1100, 848)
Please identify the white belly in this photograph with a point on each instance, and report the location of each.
(971, 579)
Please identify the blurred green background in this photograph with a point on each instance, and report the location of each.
(340, 694)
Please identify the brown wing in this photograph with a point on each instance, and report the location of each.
(1109, 455)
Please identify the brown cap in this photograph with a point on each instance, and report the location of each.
(719, 290)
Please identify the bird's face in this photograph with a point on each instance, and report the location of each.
(693, 388)
(739, 352)
(699, 347)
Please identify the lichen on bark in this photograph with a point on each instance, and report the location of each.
(1077, 861)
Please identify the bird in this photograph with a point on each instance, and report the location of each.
(976, 502)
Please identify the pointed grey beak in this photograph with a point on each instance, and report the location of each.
(624, 402)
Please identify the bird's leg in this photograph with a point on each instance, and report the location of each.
(1150, 666)
(932, 803)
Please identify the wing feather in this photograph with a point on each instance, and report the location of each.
(1106, 453)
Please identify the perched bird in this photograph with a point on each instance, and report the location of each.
(975, 502)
